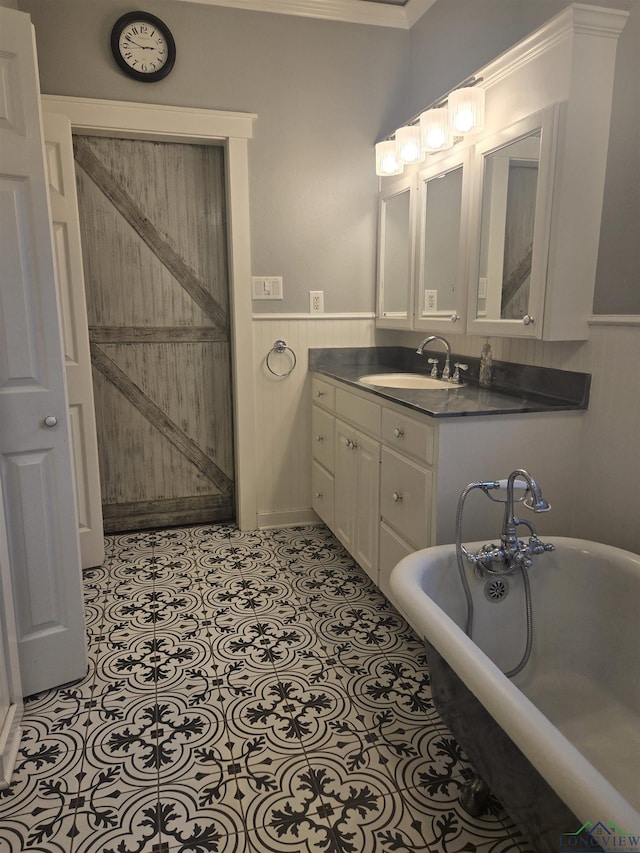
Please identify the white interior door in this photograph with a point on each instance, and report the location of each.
(75, 337)
(35, 459)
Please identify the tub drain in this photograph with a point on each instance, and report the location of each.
(496, 589)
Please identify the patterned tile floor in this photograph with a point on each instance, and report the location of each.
(247, 693)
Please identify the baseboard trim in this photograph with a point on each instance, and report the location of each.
(356, 315)
(287, 518)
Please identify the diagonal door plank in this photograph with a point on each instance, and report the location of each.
(132, 214)
(159, 419)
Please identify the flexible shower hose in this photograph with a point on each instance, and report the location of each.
(467, 591)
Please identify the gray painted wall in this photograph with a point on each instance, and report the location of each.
(323, 91)
(457, 37)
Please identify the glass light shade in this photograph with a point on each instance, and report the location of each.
(434, 127)
(409, 144)
(386, 159)
(466, 110)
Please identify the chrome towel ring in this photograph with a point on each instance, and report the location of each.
(281, 347)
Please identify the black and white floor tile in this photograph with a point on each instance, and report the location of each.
(246, 693)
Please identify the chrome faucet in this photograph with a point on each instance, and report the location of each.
(512, 553)
(446, 372)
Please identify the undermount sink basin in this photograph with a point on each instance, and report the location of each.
(415, 381)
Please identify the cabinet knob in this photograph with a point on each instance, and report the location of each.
(397, 496)
(398, 432)
(455, 317)
(50, 421)
(528, 320)
(319, 438)
(321, 394)
(319, 495)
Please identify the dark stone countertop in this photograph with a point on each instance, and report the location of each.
(515, 389)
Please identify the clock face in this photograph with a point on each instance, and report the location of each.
(143, 46)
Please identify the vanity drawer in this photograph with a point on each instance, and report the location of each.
(359, 411)
(322, 493)
(323, 394)
(405, 498)
(407, 435)
(322, 437)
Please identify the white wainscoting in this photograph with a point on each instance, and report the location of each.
(607, 494)
(283, 409)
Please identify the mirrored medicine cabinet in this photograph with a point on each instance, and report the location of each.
(443, 203)
(499, 235)
(395, 253)
(463, 243)
(514, 171)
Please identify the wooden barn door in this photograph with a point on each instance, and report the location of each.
(153, 226)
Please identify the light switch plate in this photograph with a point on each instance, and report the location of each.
(267, 287)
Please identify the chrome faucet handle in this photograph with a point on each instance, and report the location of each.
(434, 369)
(456, 374)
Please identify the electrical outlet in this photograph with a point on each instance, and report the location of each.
(316, 301)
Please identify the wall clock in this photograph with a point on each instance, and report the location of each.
(143, 46)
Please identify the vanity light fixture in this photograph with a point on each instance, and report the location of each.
(386, 160)
(437, 128)
(434, 127)
(409, 144)
(466, 110)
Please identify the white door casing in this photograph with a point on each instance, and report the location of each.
(10, 686)
(75, 337)
(35, 459)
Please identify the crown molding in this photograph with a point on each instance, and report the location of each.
(350, 11)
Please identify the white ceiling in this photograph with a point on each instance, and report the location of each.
(382, 13)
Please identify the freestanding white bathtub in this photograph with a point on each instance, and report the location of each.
(574, 711)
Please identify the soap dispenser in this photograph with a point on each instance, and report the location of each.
(486, 363)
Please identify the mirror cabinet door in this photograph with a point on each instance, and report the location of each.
(441, 291)
(513, 212)
(395, 255)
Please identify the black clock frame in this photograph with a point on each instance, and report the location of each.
(121, 24)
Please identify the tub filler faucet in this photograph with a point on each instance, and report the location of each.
(446, 372)
(512, 553)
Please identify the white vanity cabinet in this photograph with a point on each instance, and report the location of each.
(389, 480)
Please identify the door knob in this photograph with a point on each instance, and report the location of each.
(50, 421)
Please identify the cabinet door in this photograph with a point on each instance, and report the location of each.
(367, 506)
(512, 207)
(406, 498)
(396, 216)
(345, 485)
(443, 202)
(392, 549)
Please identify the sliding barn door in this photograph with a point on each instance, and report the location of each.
(154, 242)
